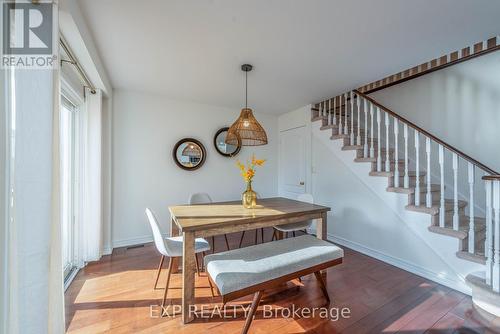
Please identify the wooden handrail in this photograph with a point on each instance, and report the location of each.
(464, 156)
(491, 177)
(435, 68)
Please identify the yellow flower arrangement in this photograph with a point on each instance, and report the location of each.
(248, 172)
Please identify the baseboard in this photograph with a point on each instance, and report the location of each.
(107, 250)
(410, 267)
(133, 241)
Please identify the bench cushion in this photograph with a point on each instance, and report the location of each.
(241, 268)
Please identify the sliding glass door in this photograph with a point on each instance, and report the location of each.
(69, 182)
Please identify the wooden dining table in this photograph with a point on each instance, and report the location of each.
(206, 220)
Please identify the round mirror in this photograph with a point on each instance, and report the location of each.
(221, 146)
(189, 154)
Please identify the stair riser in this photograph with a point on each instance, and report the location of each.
(423, 192)
(412, 181)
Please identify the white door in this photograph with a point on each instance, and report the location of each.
(292, 162)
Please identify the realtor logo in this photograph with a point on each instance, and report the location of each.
(28, 35)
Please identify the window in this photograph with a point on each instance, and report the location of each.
(69, 183)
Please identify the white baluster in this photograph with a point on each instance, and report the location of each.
(406, 181)
(365, 146)
(358, 138)
(496, 233)
(352, 119)
(428, 196)
(387, 145)
(379, 155)
(456, 221)
(471, 208)
(488, 245)
(329, 111)
(441, 172)
(346, 127)
(417, 168)
(341, 131)
(396, 153)
(334, 111)
(372, 149)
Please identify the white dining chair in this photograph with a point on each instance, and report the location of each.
(172, 248)
(295, 227)
(204, 198)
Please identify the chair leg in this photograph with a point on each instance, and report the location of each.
(227, 242)
(256, 234)
(170, 263)
(255, 304)
(213, 244)
(262, 234)
(241, 240)
(274, 235)
(293, 234)
(197, 264)
(203, 254)
(159, 270)
(211, 285)
(322, 285)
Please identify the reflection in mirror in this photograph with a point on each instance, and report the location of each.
(189, 154)
(221, 146)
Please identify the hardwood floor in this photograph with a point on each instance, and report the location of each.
(114, 295)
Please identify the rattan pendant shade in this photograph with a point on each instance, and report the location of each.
(246, 131)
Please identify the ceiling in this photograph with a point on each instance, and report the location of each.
(302, 50)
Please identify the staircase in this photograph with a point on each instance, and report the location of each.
(418, 164)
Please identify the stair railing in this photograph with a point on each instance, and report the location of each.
(356, 105)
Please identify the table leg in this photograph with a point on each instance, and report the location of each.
(174, 231)
(321, 226)
(188, 271)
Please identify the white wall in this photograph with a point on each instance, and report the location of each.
(460, 104)
(145, 129)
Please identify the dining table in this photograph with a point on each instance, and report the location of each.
(218, 218)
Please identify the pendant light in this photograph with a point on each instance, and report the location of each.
(246, 131)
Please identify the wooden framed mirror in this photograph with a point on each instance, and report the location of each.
(221, 146)
(189, 154)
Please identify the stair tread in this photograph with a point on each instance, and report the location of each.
(352, 147)
(434, 209)
(411, 190)
(478, 257)
(318, 118)
(365, 160)
(391, 173)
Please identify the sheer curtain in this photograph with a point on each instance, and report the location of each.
(90, 229)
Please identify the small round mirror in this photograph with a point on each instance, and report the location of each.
(189, 154)
(221, 146)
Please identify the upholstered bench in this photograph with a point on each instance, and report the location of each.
(243, 271)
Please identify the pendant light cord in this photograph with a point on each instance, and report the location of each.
(246, 90)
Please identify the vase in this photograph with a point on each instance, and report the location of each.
(249, 197)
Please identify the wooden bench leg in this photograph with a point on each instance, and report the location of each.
(255, 304)
(322, 285)
(241, 240)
